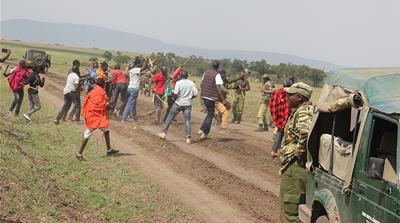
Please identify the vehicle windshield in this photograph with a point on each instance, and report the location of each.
(33, 54)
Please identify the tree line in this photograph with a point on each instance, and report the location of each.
(198, 64)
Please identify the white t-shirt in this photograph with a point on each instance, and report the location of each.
(185, 89)
(72, 80)
(134, 78)
(218, 81)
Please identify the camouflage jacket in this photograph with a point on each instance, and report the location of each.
(295, 136)
(266, 91)
(241, 86)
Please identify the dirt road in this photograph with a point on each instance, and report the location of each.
(227, 178)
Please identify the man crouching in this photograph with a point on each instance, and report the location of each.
(95, 114)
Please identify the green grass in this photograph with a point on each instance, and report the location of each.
(41, 181)
(61, 56)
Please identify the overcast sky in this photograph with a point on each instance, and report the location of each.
(356, 33)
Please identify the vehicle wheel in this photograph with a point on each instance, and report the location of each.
(38, 61)
(322, 219)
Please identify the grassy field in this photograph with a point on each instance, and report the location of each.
(62, 58)
(41, 181)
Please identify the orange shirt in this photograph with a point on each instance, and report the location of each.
(102, 74)
(95, 109)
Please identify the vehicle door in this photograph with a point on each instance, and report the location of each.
(376, 179)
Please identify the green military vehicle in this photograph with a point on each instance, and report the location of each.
(38, 58)
(353, 154)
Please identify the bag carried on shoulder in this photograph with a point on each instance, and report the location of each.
(17, 77)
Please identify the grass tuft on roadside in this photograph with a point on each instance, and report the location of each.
(41, 181)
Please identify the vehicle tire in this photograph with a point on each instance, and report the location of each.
(322, 219)
(39, 61)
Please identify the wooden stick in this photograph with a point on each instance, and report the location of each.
(156, 95)
(150, 112)
(151, 62)
(5, 71)
(187, 60)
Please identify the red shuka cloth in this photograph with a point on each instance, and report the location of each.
(95, 109)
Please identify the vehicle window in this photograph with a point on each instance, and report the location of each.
(383, 147)
(37, 54)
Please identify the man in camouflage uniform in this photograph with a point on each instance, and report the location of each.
(293, 152)
(264, 116)
(240, 87)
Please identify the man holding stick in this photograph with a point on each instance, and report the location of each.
(174, 78)
(135, 72)
(159, 81)
(184, 91)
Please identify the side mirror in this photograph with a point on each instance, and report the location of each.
(375, 167)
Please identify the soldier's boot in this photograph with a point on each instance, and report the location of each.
(266, 127)
(260, 128)
(238, 120)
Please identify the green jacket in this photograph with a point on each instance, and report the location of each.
(295, 135)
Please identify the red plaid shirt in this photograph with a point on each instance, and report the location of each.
(279, 108)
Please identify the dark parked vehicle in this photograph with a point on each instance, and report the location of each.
(38, 58)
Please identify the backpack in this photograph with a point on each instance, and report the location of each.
(18, 76)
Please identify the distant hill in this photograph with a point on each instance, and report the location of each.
(104, 38)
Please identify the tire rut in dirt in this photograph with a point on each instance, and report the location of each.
(247, 155)
(258, 203)
(248, 152)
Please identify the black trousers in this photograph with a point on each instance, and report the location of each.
(69, 98)
(170, 101)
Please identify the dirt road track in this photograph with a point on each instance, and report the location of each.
(228, 178)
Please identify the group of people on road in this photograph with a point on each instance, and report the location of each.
(112, 94)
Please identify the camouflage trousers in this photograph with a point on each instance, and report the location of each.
(292, 192)
(237, 107)
(264, 116)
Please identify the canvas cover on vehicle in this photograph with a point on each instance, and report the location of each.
(377, 91)
(335, 97)
(381, 91)
(341, 155)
